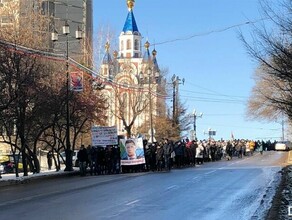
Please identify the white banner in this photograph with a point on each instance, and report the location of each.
(104, 136)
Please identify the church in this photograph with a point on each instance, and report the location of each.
(134, 81)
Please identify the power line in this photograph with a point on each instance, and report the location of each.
(212, 32)
(203, 99)
(212, 94)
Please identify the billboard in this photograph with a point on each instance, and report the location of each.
(132, 151)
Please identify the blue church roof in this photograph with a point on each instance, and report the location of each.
(146, 57)
(130, 24)
(107, 58)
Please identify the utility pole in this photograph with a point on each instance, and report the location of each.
(196, 115)
(175, 83)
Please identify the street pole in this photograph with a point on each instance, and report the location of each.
(173, 104)
(69, 166)
(175, 82)
(68, 151)
(150, 105)
(195, 122)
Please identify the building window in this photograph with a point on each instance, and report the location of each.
(105, 72)
(129, 47)
(6, 19)
(122, 45)
(136, 55)
(5, 1)
(136, 44)
(48, 8)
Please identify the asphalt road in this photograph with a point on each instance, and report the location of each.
(237, 189)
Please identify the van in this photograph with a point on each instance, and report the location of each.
(74, 158)
(283, 146)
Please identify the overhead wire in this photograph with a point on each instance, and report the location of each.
(212, 31)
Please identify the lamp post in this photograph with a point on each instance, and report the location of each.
(78, 33)
(195, 121)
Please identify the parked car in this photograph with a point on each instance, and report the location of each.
(9, 164)
(74, 158)
(1, 169)
(283, 145)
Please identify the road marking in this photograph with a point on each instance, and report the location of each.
(211, 172)
(171, 187)
(133, 202)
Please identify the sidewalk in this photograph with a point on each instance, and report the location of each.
(11, 179)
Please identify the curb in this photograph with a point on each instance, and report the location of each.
(289, 159)
(31, 178)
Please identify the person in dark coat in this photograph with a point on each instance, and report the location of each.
(166, 154)
(93, 161)
(159, 156)
(179, 153)
(83, 159)
(50, 159)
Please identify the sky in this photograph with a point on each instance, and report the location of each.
(197, 40)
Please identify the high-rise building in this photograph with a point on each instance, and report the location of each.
(76, 13)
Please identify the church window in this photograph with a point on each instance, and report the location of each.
(129, 45)
(136, 44)
(122, 45)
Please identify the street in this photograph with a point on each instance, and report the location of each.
(236, 189)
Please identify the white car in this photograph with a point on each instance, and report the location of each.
(74, 158)
(1, 168)
(284, 145)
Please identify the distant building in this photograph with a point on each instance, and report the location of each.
(131, 71)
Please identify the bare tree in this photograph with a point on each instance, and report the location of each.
(271, 48)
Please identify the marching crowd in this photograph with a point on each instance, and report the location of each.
(166, 154)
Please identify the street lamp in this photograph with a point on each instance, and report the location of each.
(195, 121)
(78, 35)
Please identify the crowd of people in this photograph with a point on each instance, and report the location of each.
(167, 154)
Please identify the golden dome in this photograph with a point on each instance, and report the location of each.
(147, 45)
(107, 46)
(130, 4)
(115, 54)
(154, 52)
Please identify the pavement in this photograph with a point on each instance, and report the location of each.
(11, 179)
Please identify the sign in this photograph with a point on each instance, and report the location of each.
(76, 81)
(104, 136)
(132, 151)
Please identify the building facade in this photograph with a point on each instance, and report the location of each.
(14, 15)
(134, 79)
(77, 13)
